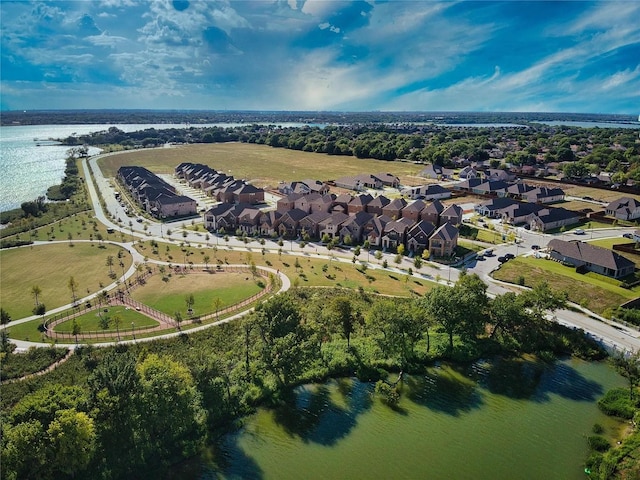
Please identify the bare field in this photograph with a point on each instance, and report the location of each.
(260, 164)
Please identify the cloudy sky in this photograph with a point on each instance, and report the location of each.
(321, 55)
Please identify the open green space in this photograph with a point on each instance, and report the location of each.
(169, 295)
(595, 292)
(81, 226)
(50, 267)
(310, 272)
(261, 164)
(90, 321)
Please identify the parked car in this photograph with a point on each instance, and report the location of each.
(578, 231)
(535, 247)
(503, 259)
(627, 235)
(509, 256)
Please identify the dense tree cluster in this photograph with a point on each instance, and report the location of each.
(115, 412)
(586, 150)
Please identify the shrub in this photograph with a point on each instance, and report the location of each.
(616, 402)
(598, 443)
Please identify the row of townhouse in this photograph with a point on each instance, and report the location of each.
(368, 181)
(154, 195)
(501, 188)
(408, 226)
(538, 217)
(219, 185)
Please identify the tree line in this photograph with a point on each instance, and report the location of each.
(586, 150)
(115, 412)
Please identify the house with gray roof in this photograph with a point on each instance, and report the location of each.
(551, 218)
(444, 241)
(624, 208)
(592, 258)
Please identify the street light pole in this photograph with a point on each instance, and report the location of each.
(133, 330)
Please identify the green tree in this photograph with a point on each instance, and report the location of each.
(340, 312)
(73, 286)
(72, 437)
(4, 316)
(110, 264)
(628, 365)
(36, 291)
(174, 420)
(397, 329)
(285, 346)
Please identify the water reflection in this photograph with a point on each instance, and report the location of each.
(315, 415)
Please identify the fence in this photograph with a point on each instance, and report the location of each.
(122, 297)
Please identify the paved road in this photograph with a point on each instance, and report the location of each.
(609, 333)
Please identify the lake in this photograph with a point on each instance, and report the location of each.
(489, 420)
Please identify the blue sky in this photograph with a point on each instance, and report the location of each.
(321, 55)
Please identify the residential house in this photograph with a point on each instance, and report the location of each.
(376, 205)
(289, 225)
(519, 212)
(431, 213)
(249, 220)
(388, 179)
(320, 203)
(495, 207)
(269, 221)
(436, 172)
(332, 224)
(413, 210)
(624, 208)
(311, 224)
(395, 232)
(444, 241)
(544, 195)
(491, 187)
(498, 174)
(595, 259)
(167, 206)
(467, 173)
(418, 236)
(213, 216)
(517, 190)
(287, 203)
(427, 192)
(394, 209)
(550, 218)
(468, 185)
(359, 203)
(359, 182)
(452, 214)
(357, 226)
(376, 230)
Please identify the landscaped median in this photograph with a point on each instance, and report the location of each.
(598, 293)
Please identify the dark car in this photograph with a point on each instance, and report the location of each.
(535, 247)
(503, 259)
(509, 256)
(627, 235)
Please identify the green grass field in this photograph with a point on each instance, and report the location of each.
(261, 164)
(50, 267)
(91, 321)
(309, 274)
(593, 291)
(169, 296)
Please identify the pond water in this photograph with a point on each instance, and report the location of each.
(489, 420)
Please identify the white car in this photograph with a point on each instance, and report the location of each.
(578, 231)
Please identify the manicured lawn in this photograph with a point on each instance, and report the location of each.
(91, 321)
(261, 164)
(50, 267)
(28, 331)
(169, 296)
(595, 292)
(610, 242)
